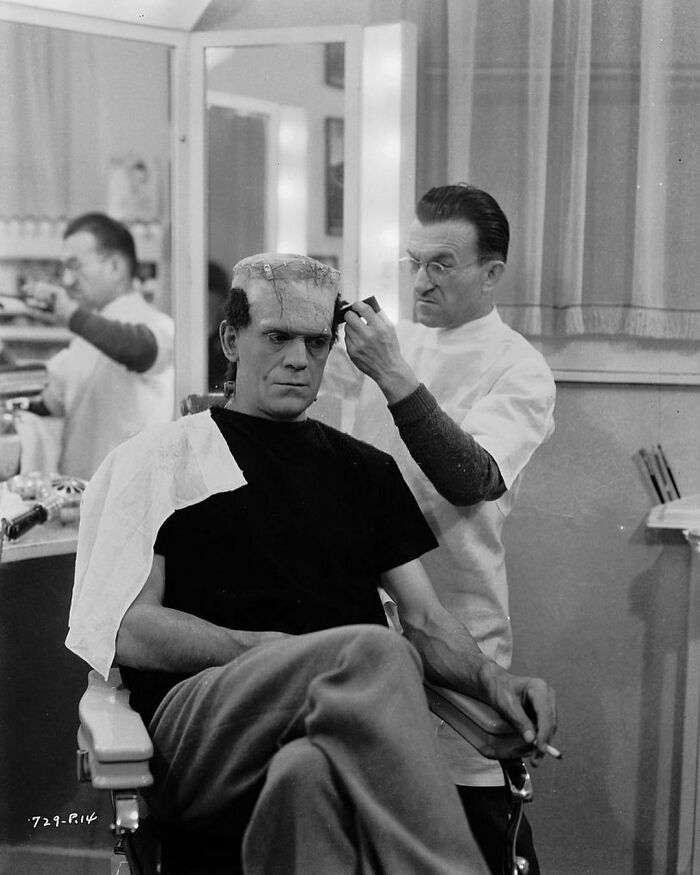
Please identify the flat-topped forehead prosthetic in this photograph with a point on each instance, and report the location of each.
(305, 289)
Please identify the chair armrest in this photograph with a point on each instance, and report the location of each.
(114, 735)
(198, 403)
(477, 722)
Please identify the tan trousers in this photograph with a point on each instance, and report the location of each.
(323, 746)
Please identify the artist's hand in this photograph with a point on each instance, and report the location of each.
(50, 303)
(528, 703)
(373, 347)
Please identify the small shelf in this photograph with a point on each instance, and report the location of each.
(26, 344)
(683, 513)
(51, 539)
(32, 247)
(34, 334)
(42, 239)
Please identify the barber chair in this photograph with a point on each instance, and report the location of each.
(114, 750)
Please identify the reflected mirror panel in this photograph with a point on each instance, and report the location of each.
(275, 155)
(86, 127)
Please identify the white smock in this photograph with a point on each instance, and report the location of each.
(493, 383)
(102, 401)
(137, 487)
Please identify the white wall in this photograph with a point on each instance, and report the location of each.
(599, 608)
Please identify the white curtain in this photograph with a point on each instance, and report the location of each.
(582, 117)
(49, 161)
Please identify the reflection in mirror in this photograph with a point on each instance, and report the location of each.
(85, 128)
(86, 133)
(275, 120)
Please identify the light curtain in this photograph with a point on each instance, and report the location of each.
(582, 117)
(49, 160)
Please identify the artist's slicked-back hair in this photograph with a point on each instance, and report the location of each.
(111, 236)
(466, 203)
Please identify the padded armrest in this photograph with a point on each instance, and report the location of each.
(198, 403)
(114, 735)
(477, 722)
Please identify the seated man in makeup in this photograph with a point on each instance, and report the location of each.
(230, 562)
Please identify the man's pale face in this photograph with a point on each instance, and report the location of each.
(91, 275)
(458, 296)
(282, 353)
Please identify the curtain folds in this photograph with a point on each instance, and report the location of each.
(48, 85)
(580, 117)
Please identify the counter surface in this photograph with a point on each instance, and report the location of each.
(48, 539)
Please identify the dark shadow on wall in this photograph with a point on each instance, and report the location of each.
(659, 598)
(600, 612)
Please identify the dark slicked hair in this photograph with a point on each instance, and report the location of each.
(466, 203)
(238, 309)
(111, 236)
(218, 281)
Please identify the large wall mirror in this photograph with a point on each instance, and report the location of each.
(293, 139)
(302, 140)
(275, 122)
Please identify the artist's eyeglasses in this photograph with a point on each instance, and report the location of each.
(74, 265)
(435, 269)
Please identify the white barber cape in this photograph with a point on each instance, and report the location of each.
(499, 389)
(138, 486)
(103, 402)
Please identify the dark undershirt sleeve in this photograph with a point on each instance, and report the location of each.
(462, 471)
(133, 346)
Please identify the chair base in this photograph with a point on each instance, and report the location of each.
(163, 849)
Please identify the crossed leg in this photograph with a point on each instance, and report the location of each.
(343, 712)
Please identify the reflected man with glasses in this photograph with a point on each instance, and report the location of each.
(462, 402)
(116, 375)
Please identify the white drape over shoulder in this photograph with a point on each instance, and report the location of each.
(137, 487)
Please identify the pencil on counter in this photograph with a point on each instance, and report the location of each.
(663, 464)
(661, 475)
(652, 476)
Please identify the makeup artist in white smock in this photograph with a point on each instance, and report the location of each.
(116, 376)
(462, 402)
